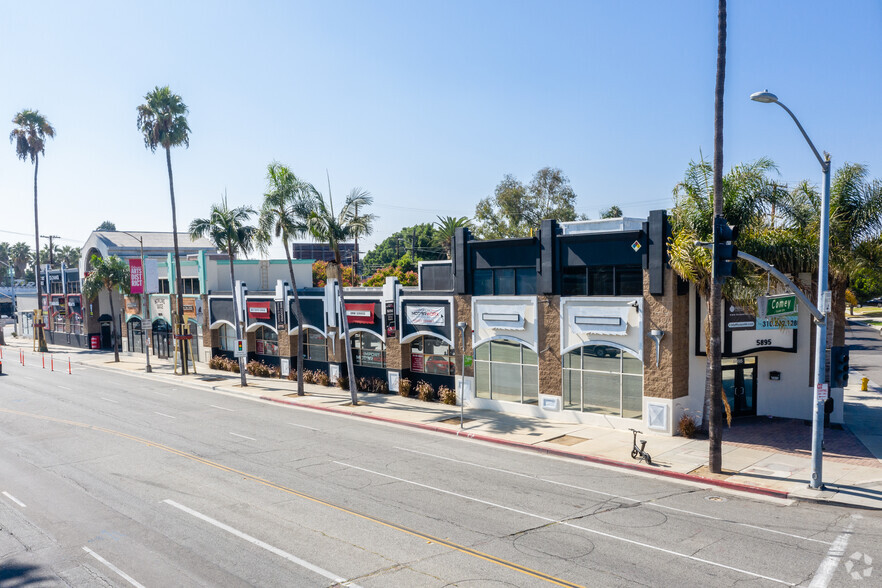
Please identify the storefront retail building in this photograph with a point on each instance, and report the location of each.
(584, 322)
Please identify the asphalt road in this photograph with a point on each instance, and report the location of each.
(111, 479)
(865, 354)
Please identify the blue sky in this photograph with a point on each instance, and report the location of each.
(424, 104)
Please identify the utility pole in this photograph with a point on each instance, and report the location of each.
(51, 249)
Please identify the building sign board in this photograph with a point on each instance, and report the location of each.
(738, 319)
(136, 276)
(425, 315)
(777, 322)
(133, 305)
(160, 307)
(258, 310)
(360, 313)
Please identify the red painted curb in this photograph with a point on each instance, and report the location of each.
(547, 450)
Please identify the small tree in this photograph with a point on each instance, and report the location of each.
(334, 228)
(106, 226)
(228, 231)
(111, 274)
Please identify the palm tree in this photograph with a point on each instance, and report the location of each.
(447, 226)
(29, 137)
(163, 121)
(109, 274)
(612, 212)
(333, 229)
(69, 255)
(228, 231)
(4, 260)
(287, 206)
(20, 257)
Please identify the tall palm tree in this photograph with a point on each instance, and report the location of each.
(333, 229)
(447, 226)
(287, 206)
(163, 121)
(70, 255)
(5, 262)
(111, 274)
(29, 137)
(226, 228)
(714, 383)
(20, 257)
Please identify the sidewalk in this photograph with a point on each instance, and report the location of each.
(761, 455)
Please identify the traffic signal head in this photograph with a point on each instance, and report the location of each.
(725, 251)
(839, 367)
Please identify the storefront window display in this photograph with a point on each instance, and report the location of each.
(316, 348)
(507, 371)
(431, 355)
(76, 324)
(368, 350)
(603, 379)
(267, 342)
(59, 323)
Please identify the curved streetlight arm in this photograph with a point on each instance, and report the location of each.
(825, 163)
(819, 316)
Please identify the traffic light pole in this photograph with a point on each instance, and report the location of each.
(817, 479)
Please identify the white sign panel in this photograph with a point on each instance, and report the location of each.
(160, 307)
(425, 315)
(151, 276)
(823, 392)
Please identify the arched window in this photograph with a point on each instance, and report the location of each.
(603, 379)
(507, 371)
(267, 342)
(59, 323)
(431, 355)
(368, 350)
(227, 338)
(316, 346)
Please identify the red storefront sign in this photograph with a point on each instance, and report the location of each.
(136, 276)
(360, 314)
(258, 310)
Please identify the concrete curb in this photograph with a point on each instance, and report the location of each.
(549, 451)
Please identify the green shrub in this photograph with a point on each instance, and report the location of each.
(447, 395)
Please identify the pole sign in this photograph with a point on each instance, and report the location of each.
(823, 392)
(241, 348)
(778, 305)
(467, 360)
(136, 276)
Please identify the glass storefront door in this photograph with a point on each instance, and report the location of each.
(739, 385)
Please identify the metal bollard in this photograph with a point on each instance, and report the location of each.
(864, 382)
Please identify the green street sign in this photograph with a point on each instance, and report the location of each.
(467, 360)
(776, 305)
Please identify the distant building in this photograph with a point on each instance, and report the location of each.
(322, 252)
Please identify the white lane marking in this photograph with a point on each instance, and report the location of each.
(303, 426)
(165, 415)
(160, 393)
(284, 554)
(222, 408)
(824, 573)
(121, 573)
(66, 388)
(109, 400)
(14, 499)
(243, 436)
(642, 503)
(26, 378)
(571, 525)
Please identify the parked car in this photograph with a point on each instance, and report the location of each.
(438, 365)
(874, 302)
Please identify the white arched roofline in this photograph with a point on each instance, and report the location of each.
(368, 331)
(220, 322)
(530, 346)
(601, 342)
(254, 326)
(296, 330)
(413, 336)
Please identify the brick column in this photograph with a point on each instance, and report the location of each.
(550, 367)
(669, 313)
(463, 312)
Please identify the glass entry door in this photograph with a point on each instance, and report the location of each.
(739, 385)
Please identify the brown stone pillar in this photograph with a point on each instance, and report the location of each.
(550, 366)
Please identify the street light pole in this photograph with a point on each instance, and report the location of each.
(145, 303)
(824, 302)
(462, 331)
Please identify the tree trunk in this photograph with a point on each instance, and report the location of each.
(179, 284)
(242, 360)
(112, 325)
(714, 384)
(353, 388)
(40, 333)
(298, 312)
